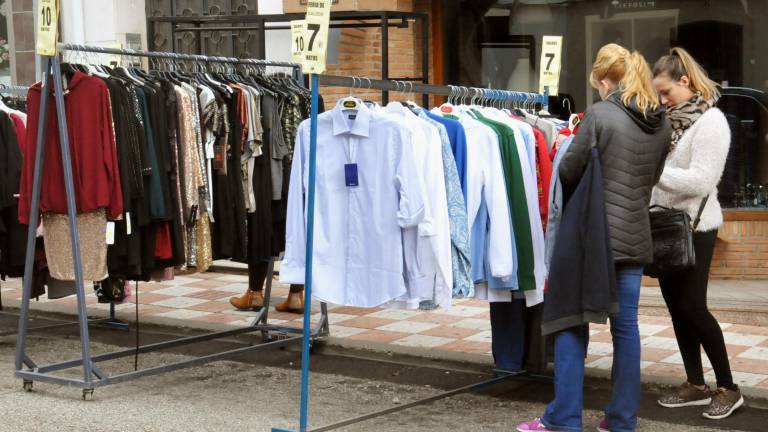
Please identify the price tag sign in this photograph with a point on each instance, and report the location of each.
(551, 61)
(316, 36)
(47, 27)
(298, 33)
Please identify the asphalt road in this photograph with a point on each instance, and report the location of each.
(256, 392)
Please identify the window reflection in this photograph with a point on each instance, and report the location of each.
(498, 43)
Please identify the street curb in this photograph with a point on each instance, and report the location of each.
(474, 362)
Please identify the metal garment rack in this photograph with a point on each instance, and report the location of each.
(14, 90)
(111, 321)
(272, 335)
(479, 94)
(263, 23)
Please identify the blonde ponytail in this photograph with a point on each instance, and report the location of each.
(680, 63)
(630, 71)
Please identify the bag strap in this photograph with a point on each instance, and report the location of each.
(701, 210)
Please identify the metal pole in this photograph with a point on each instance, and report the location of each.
(305, 344)
(61, 116)
(384, 55)
(34, 213)
(425, 57)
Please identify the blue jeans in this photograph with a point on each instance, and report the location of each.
(564, 413)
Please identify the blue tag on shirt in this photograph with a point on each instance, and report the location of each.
(350, 174)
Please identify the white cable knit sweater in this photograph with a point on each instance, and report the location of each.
(693, 170)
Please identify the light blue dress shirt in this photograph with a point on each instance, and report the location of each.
(358, 250)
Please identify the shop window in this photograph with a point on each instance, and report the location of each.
(745, 181)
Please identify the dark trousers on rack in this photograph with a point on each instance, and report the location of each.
(257, 275)
(686, 296)
(508, 334)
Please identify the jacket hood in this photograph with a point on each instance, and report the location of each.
(650, 122)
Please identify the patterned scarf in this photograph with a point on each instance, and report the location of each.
(685, 115)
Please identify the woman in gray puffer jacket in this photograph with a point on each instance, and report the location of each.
(631, 133)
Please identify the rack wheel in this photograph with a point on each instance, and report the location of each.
(87, 394)
(28, 386)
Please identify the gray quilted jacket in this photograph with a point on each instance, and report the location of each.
(632, 149)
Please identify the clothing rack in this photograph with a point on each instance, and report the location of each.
(14, 90)
(297, 73)
(479, 94)
(111, 321)
(272, 335)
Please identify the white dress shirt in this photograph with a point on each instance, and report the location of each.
(358, 251)
(485, 181)
(427, 249)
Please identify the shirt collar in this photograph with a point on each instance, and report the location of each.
(360, 126)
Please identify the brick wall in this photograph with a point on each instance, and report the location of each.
(741, 251)
(360, 55)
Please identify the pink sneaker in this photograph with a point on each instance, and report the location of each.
(603, 426)
(533, 425)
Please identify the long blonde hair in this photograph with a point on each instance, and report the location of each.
(630, 71)
(680, 63)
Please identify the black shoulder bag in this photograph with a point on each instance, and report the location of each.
(672, 233)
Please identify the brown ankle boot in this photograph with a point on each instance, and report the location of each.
(250, 300)
(293, 304)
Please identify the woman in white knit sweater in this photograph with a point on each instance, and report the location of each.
(700, 141)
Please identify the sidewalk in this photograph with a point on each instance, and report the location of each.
(461, 333)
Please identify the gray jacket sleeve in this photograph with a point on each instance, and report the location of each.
(575, 160)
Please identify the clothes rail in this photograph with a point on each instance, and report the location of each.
(13, 89)
(170, 55)
(92, 377)
(433, 89)
(298, 75)
(403, 87)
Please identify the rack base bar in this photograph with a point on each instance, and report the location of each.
(35, 376)
(469, 388)
(102, 321)
(152, 347)
(103, 380)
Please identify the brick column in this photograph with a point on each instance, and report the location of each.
(360, 55)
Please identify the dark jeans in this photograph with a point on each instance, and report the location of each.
(508, 334)
(565, 412)
(257, 275)
(686, 296)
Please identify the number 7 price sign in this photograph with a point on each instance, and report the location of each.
(316, 36)
(551, 61)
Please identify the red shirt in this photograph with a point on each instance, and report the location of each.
(544, 175)
(92, 149)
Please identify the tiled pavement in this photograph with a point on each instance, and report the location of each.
(201, 300)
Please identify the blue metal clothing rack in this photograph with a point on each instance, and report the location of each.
(316, 81)
(272, 335)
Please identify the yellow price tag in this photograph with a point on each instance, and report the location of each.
(551, 61)
(47, 27)
(298, 43)
(316, 39)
